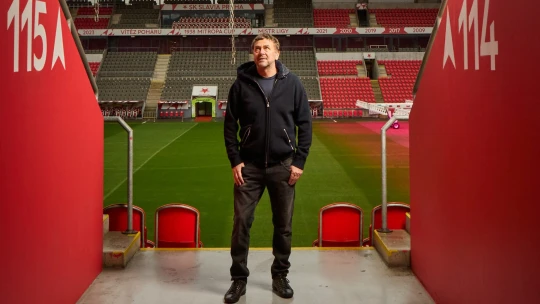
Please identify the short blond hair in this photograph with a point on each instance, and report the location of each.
(265, 36)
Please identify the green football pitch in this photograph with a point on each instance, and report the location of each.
(185, 162)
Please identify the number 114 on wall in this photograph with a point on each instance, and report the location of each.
(29, 21)
(466, 23)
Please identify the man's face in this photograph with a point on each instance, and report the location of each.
(265, 53)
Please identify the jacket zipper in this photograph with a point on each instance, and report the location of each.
(287, 134)
(246, 135)
(267, 118)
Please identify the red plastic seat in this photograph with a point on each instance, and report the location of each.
(340, 225)
(177, 226)
(396, 218)
(118, 219)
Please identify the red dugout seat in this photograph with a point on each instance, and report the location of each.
(177, 226)
(396, 218)
(340, 225)
(118, 219)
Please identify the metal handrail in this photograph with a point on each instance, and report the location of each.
(75, 35)
(129, 171)
(384, 204)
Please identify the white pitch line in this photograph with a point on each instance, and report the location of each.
(144, 163)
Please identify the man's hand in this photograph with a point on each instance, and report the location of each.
(295, 175)
(237, 174)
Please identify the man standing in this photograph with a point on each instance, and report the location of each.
(270, 104)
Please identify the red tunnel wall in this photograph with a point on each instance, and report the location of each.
(51, 161)
(474, 162)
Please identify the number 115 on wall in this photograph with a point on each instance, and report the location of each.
(29, 21)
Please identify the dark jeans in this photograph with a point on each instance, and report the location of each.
(246, 198)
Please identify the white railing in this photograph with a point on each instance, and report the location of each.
(401, 110)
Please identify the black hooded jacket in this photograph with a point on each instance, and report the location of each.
(267, 125)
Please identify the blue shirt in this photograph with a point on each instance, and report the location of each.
(266, 83)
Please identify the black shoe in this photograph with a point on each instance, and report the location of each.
(238, 289)
(281, 287)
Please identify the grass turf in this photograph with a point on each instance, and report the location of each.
(187, 163)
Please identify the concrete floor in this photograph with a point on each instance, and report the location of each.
(202, 276)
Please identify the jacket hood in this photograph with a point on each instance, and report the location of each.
(247, 68)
